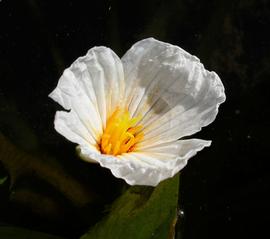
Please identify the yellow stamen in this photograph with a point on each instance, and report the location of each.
(121, 133)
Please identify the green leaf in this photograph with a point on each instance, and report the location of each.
(21, 233)
(3, 180)
(141, 212)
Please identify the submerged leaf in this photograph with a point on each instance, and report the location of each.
(19, 164)
(21, 233)
(141, 212)
(3, 180)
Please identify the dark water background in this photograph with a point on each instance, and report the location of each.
(224, 189)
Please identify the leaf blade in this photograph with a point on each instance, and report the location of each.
(141, 212)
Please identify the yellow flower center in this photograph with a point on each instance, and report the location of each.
(121, 134)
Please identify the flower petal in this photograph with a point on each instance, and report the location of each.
(68, 124)
(171, 90)
(90, 88)
(151, 166)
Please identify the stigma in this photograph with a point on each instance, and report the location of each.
(121, 133)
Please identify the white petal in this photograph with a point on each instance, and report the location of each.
(171, 90)
(68, 124)
(151, 166)
(90, 88)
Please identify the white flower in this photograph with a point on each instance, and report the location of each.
(128, 114)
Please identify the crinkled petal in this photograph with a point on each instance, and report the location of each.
(68, 124)
(150, 166)
(170, 90)
(90, 88)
